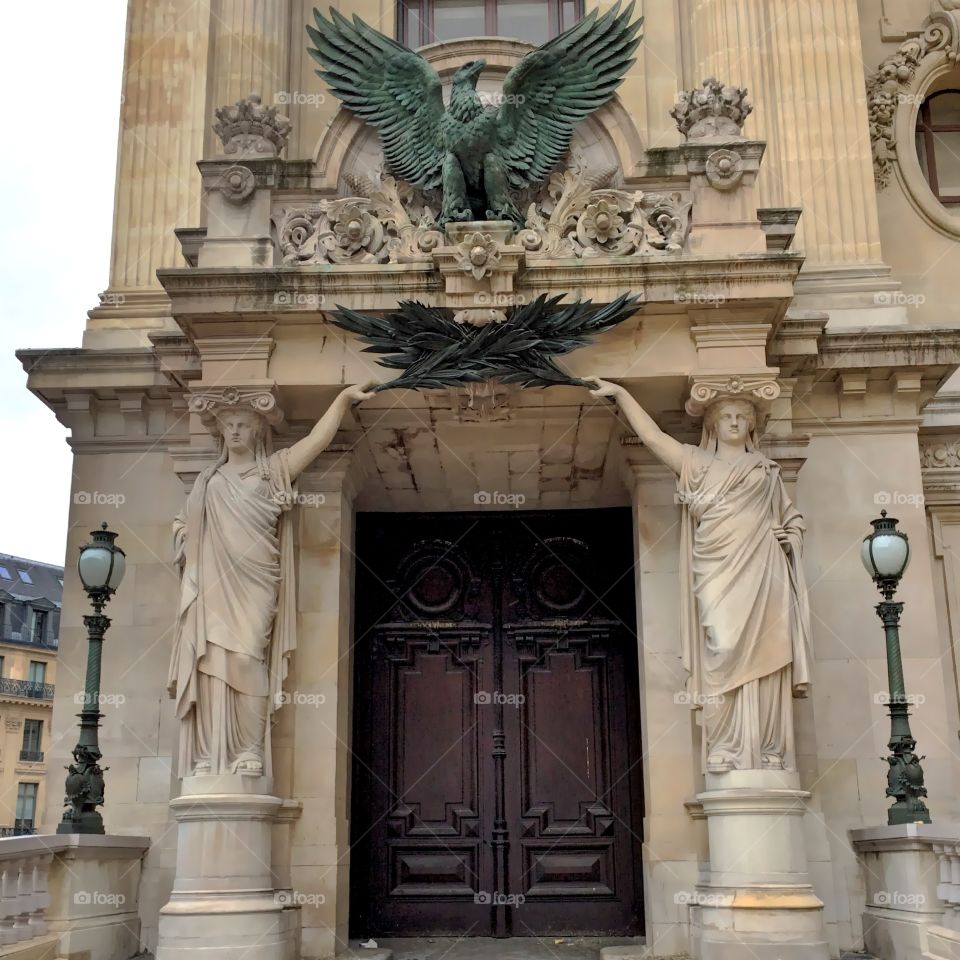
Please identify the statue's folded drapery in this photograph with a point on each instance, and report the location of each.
(745, 618)
(236, 625)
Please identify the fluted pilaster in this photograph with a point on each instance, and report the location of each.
(162, 122)
(251, 40)
(803, 65)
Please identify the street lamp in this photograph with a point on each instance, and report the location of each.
(885, 554)
(101, 567)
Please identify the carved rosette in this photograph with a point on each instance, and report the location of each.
(248, 128)
(209, 404)
(758, 389)
(236, 183)
(940, 453)
(724, 169)
(583, 217)
(888, 87)
(478, 255)
(362, 229)
(713, 110)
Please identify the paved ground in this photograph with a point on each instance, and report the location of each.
(483, 948)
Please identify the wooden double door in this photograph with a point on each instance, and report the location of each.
(496, 781)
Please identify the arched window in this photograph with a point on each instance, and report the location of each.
(426, 21)
(938, 144)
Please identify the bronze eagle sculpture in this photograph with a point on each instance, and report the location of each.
(475, 153)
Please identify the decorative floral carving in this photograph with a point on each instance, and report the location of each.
(724, 169)
(478, 255)
(715, 110)
(251, 129)
(363, 229)
(237, 183)
(888, 86)
(940, 453)
(583, 217)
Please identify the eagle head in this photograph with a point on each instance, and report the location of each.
(467, 75)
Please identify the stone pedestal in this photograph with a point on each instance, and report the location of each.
(223, 901)
(757, 900)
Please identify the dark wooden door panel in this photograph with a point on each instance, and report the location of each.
(496, 777)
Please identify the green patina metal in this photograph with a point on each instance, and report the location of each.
(433, 350)
(475, 153)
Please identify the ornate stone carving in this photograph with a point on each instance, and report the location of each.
(375, 228)
(714, 110)
(724, 169)
(578, 215)
(249, 129)
(759, 390)
(940, 453)
(478, 255)
(582, 217)
(237, 183)
(888, 86)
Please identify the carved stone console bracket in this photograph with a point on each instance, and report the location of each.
(479, 264)
(760, 389)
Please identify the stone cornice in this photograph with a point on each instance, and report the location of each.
(299, 294)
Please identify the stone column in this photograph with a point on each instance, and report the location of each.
(802, 64)
(250, 51)
(162, 121)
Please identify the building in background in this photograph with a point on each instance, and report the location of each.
(30, 595)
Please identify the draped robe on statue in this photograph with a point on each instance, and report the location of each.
(236, 625)
(745, 616)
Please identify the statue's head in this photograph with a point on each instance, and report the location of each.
(468, 73)
(732, 421)
(240, 428)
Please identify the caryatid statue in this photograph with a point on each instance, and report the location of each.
(236, 625)
(745, 622)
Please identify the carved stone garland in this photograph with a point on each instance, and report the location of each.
(888, 86)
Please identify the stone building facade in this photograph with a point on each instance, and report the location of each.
(801, 255)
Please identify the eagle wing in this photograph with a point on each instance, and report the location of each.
(555, 86)
(390, 87)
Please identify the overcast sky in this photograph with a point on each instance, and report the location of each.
(60, 66)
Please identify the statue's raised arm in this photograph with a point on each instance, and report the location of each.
(660, 444)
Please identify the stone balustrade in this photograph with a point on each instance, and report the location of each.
(24, 898)
(912, 878)
(948, 889)
(48, 899)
